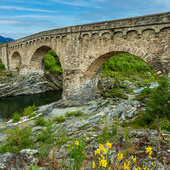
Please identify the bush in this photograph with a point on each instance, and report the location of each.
(158, 103)
(117, 93)
(9, 74)
(29, 110)
(59, 119)
(75, 113)
(143, 95)
(47, 134)
(16, 117)
(40, 121)
(17, 139)
(52, 63)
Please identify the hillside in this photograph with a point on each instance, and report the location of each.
(4, 39)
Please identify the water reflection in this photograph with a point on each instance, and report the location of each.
(9, 105)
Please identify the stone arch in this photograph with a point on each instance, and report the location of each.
(148, 33)
(96, 64)
(36, 62)
(15, 60)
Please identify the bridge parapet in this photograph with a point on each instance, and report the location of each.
(155, 21)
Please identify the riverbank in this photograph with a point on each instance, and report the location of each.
(58, 125)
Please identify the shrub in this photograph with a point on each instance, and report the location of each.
(52, 63)
(29, 110)
(143, 95)
(40, 121)
(17, 139)
(158, 103)
(16, 117)
(76, 151)
(59, 119)
(9, 74)
(117, 93)
(75, 113)
(46, 134)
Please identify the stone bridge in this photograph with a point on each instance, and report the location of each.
(82, 49)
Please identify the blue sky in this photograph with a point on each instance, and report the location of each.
(19, 18)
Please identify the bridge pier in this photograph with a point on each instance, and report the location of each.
(77, 88)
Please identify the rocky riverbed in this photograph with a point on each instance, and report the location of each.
(97, 115)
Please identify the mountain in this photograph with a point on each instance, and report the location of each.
(3, 39)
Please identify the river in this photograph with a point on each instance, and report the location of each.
(9, 105)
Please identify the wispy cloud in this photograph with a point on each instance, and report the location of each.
(7, 21)
(25, 9)
(79, 3)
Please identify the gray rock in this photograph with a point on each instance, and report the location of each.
(27, 84)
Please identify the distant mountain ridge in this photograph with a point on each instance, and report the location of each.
(4, 39)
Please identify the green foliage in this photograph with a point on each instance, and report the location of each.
(34, 167)
(75, 113)
(77, 153)
(9, 74)
(2, 66)
(59, 119)
(17, 139)
(29, 110)
(107, 133)
(32, 115)
(52, 63)
(40, 121)
(143, 95)
(128, 66)
(158, 103)
(17, 68)
(117, 93)
(16, 117)
(46, 135)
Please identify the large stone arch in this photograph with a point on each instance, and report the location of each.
(15, 61)
(36, 60)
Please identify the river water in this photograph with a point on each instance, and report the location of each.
(9, 105)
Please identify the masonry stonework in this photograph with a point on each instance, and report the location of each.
(83, 49)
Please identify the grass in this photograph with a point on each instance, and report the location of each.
(29, 110)
(40, 121)
(59, 119)
(74, 113)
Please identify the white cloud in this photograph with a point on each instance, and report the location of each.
(163, 2)
(6, 21)
(25, 9)
(74, 3)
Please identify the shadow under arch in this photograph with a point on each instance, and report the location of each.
(15, 61)
(37, 59)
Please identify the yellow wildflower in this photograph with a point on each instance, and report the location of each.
(154, 165)
(148, 149)
(108, 145)
(68, 145)
(120, 156)
(103, 163)
(146, 168)
(76, 143)
(138, 168)
(97, 151)
(105, 151)
(126, 166)
(87, 138)
(134, 159)
(150, 157)
(101, 146)
(93, 163)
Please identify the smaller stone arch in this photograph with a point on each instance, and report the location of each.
(15, 61)
(36, 62)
